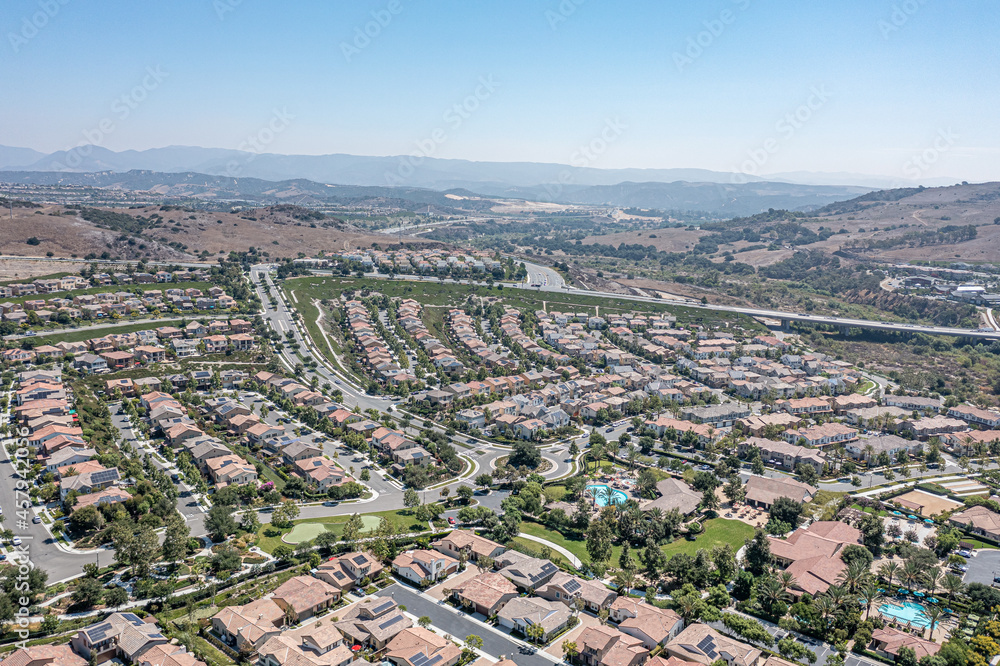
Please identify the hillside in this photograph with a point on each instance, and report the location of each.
(175, 233)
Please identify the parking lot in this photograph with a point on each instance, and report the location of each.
(983, 566)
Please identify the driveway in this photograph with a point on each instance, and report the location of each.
(459, 625)
(983, 566)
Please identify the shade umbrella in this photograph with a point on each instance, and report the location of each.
(918, 593)
(928, 521)
(912, 517)
(933, 600)
(897, 513)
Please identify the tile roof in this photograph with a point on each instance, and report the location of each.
(44, 655)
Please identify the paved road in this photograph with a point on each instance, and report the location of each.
(188, 505)
(462, 625)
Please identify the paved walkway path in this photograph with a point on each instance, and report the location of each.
(573, 559)
(901, 486)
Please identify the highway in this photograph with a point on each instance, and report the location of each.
(542, 278)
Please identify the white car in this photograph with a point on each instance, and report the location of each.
(16, 541)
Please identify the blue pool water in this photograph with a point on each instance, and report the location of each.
(908, 611)
(599, 493)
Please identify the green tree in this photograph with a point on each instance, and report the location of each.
(116, 596)
(220, 522)
(89, 592)
(484, 481)
(599, 541)
(286, 512)
(410, 498)
(175, 539)
(353, 527)
(757, 556)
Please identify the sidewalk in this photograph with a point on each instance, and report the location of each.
(573, 559)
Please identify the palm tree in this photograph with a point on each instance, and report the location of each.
(773, 592)
(869, 450)
(787, 580)
(826, 608)
(888, 571)
(911, 575)
(953, 584)
(632, 455)
(932, 579)
(535, 632)
(687, 605)
(853, 576)
(625, 579)
(872, 596)
(570, 650)
(933, 614)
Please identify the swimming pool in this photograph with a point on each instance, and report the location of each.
(909, 611)
(602, 493)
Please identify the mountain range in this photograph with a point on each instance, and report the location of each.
(711, 192)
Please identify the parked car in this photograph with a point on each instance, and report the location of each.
(36, 519)
(965, 552)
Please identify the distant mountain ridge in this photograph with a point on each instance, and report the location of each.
(711, 199)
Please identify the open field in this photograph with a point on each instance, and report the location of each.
(64, 233)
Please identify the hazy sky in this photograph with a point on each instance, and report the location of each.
(902, 88)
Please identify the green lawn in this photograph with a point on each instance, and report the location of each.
(402, 519)
(717, 531)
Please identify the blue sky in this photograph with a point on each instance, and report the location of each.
(876, 84)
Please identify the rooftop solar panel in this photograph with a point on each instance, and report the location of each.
(391, 621)
(572, 586)
(707, 645)
(385, 605)
(360, 559)
(104, 475)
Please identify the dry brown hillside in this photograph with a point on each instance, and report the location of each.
(282, 231)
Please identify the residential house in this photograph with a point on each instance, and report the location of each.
(527, 573)
(122, 635)
(347, 571)
(485, 594)
(304, 596)
(44, 655)
(474, 546)
(424, 567)
(650, 624)
(889, 641)
(606, 646)
(373, 623)
(567, 588)
(704, 645)
(417, 646)
(522, 612)
(245, 628)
